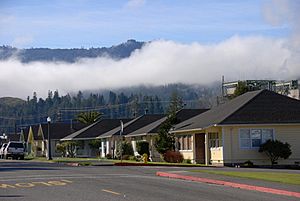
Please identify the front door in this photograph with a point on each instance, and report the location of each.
(200, 148)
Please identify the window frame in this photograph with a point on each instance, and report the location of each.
(185, 142)
(251, 139)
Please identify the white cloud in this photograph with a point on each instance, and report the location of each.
(157, 63)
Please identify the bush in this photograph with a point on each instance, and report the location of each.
(142, 147)
(108, 156)
(275, 149)
(188, 161)
(248, 163)
(173, 157)
(126, 149)
(132, 158)
(95, 144)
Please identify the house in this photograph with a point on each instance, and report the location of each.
(231, 133)
(91, 132)
(110, 139)
(36, 136)
(149, 132)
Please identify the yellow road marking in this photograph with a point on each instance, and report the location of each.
(62, 182)
(112, 192)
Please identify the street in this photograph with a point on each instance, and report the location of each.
(35, 181)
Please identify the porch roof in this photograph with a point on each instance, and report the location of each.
(257, 107)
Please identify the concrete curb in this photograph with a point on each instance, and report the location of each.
(231, 184)
(162, 165)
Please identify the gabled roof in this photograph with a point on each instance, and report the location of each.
(134, 125)
(96, 129)
(257, 107)
(61, 130)
(181, 115)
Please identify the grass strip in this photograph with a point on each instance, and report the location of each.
(287, 178)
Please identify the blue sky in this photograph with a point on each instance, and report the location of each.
(96, 23)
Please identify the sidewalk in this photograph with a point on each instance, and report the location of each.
(235, 182)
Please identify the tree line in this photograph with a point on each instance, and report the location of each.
(66, 108)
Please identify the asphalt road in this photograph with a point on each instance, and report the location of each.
(43, 181)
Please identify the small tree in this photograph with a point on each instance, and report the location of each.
(142, 147)
(67, 148)
(166, 140)
(240, 89)
(94, 145)
(61, 149)
(275, 150)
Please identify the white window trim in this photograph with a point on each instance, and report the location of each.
(191, 136)
(253, 148)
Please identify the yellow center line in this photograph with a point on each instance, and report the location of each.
(112, 192)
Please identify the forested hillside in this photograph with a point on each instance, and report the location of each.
(69, 55)
(130, 102)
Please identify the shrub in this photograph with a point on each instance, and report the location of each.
(187, 161)
(126, 149)
(173, 157)
(275, 149)
(132, 158)
(248, 163)
(108, 156)
(95, 144)
(142, 147)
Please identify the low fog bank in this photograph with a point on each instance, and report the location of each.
(157, 63)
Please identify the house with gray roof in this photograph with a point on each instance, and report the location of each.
(231, 133)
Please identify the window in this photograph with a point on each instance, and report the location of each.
(184, 142)
(214, 140)
(253, 138)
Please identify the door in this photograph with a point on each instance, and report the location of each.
(200, 148)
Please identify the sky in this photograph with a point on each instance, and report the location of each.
(192, 41)
(90, 23)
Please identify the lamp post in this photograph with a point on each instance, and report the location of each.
(49, 143)
(3, 137)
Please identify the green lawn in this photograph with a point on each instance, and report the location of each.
(91, 160)
(287, 178)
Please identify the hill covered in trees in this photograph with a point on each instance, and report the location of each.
(69, 55)
(123, 103)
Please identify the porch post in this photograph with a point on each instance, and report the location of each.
(194, 148)
(107, 146)
(206, 149)
(102, 149)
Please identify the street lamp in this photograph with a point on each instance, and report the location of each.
(49, 143)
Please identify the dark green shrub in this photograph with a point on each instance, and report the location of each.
(126, 149)
(248, 163)
(187, 161)
(142, 147)
(275, 149)
(173, 157)
(108, 156)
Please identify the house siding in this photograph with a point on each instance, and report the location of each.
(234, 154)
